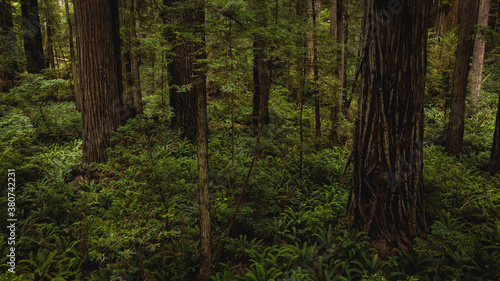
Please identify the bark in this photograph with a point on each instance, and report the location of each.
(341, 66)
(32, 36)
(184, 84)
(317, 98)
(479, 46)
(446, 16)
(333, 18)
(7, 45)
(203, 173)
(299, 8)
(468, 16)
(50, 46)
(74, 70)
(494, 164)
(98, 34)
(386, 197)
(127, 11)
(136, 65)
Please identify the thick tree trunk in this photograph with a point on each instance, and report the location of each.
(494, 165)
(262, 83)
(468, 16)
(301, 82)
(8, 43)
(98, 33)
(446, 16)
(32, 36)
(184, 85)
(74, 70)
(479, 45)
(333, 18)
(386, 197)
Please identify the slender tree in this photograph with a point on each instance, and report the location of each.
(341, 64)
(494, 165)
(479, 46)
(386, 196)
(32, 36)
(467, 17)
(48, 34)
(98, 36)
(74, 69)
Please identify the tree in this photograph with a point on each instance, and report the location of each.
(467, 18)
(98, 36)
(8, 67)
(32, 36)
(446, 16)
(74, 70)
(386, 196)
(479, 46)
(188, 22)
(494, 165)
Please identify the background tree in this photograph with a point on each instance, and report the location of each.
(98, 36)
(74, 69)
(386, 196)
(33, 47)
(479, 47)
(8, 64)
(467, 18)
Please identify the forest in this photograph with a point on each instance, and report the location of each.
(257, 140)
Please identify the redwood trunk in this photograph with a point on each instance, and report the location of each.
(468, 16)
(386, 197)
(32, 36)
(479, 46)
(7, 35)
(98, 33)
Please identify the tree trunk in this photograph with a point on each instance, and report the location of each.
(299, 8)
(50, 46)
(136, 65)
(126, 15)
(316, 6)
(7, 45)
(32, 36)
(341, 67)
(479, 45)
(76, 85)
(203, 172)
(184, 85)
(386, 197)
(98, 33)
(468, 16)
(494, 165)
(333, 18)
(446, 16)
(262, 82)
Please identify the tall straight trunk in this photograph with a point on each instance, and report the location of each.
(494, 164)
(299, 9)
(8, 43)
(386, 196)
(136, 65)
(126, 17)
(479, 45)
(50, 45)
(33, 47)
(74, 69)
(315, 69)
(98, 33)
(467, 17)
(333, 18)
(262, 83)
(203, 172)
(183, 98)
(341, 66)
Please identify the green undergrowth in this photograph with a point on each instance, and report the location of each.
(136, 216)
